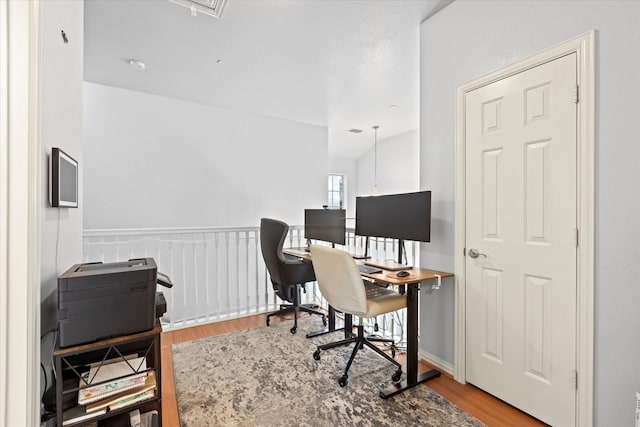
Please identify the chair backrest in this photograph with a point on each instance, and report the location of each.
(272, 235)
(339, 280)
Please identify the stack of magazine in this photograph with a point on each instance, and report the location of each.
(110, 385)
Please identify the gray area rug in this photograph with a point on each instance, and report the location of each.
(268, 377)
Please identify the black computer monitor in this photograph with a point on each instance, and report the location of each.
(63, 180)
(405, 216)
(328, 225)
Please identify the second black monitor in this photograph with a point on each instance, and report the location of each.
(328, 225)
(405, 216)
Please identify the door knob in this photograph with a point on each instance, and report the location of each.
(474, 253)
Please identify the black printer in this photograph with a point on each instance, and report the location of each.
(103, 300)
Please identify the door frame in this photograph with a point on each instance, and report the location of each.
(584, 46)
(20, 212)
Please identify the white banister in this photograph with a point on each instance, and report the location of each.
(218, 272)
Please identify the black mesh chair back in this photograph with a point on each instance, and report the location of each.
(288, 274)
(272, 235)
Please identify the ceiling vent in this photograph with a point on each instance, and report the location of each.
(209, 7)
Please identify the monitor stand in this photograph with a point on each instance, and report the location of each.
(400, 250)
(366, 251)
(402, 254)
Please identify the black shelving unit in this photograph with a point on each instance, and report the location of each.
(71, 362)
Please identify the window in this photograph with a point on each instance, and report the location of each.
(336, 191)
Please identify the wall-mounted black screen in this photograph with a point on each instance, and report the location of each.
(404, 216)
(328, 225)
(63, 179)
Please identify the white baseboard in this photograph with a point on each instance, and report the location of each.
(441, 365)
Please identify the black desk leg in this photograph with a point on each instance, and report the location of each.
(331, 328)
(413, 378)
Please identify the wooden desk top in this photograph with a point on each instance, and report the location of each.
(416, 275)
(298, 252)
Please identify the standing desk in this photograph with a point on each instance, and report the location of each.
(412, 284)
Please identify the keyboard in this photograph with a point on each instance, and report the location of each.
(367, 269)
(299, 252)
(386, 265)
(375, 290)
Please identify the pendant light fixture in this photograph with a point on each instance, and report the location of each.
(375, 160)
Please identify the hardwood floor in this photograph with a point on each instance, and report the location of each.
(483, 406)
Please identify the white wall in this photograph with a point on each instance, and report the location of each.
(398, 166)
(153, 161)
(61, 126)
(468, 39)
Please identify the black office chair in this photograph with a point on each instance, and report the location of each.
(288, 274)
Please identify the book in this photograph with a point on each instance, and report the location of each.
(98, 392)
(78, 413)
(138, 397)
(149, 384)
(124, 375)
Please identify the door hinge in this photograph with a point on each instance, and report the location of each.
(575, 379)
(576, 94)
(577, 237)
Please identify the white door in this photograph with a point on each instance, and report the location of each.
(521, 240)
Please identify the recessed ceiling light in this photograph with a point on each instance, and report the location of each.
(355, 130)
(136, 64)
(393, 107)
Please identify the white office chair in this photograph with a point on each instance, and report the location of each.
(344, 289)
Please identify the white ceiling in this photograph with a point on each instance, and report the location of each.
(333, 63)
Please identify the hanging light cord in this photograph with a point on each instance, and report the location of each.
(375, 156)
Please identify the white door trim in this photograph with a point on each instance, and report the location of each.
(584, 46)
(20, 207)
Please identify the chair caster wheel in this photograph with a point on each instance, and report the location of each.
(343, 381)
(316, 354)
(324, 321)
(396, 376)
(293, 330)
